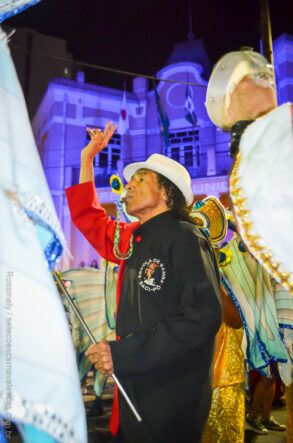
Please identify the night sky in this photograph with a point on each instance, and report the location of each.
(138, 35)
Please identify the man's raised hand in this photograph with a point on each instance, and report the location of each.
(99, 140)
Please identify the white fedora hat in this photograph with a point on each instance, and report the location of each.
(167, 167)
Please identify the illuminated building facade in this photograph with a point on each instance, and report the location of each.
(70, 106)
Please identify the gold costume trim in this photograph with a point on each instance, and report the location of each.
(261, 252)
(226, 421)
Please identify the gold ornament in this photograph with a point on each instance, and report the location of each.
(261, 252)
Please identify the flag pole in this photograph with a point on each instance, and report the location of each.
(266, 34)
(92, 339)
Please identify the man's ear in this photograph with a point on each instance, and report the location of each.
(164, 196)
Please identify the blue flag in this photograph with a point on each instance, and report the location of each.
(189, 108)
(164, 121)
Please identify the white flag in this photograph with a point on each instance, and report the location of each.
(123, 123)
(39, 383)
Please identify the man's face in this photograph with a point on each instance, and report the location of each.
(249, 101)
(143, 194)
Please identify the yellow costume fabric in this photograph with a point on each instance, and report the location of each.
(227, 415)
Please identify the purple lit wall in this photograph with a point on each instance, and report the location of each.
(69, 107)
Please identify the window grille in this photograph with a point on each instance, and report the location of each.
(184, 147)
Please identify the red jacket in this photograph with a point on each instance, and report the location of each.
(91, 220)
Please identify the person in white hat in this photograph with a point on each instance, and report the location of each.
(241, 98)
(169, 307)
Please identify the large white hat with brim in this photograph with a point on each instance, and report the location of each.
(167, 167)
(227, 74)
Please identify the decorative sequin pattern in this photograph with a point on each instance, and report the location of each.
(227, 416)
(33, 202)
(12, 7)
(226, 419)
(229, 358)
(254, 243)
(30, 210)
(40, 416)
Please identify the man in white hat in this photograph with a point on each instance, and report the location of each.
(169, 308)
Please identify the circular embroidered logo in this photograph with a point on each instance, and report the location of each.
(151, 275)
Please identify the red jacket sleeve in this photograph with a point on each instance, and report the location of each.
(91, 219)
